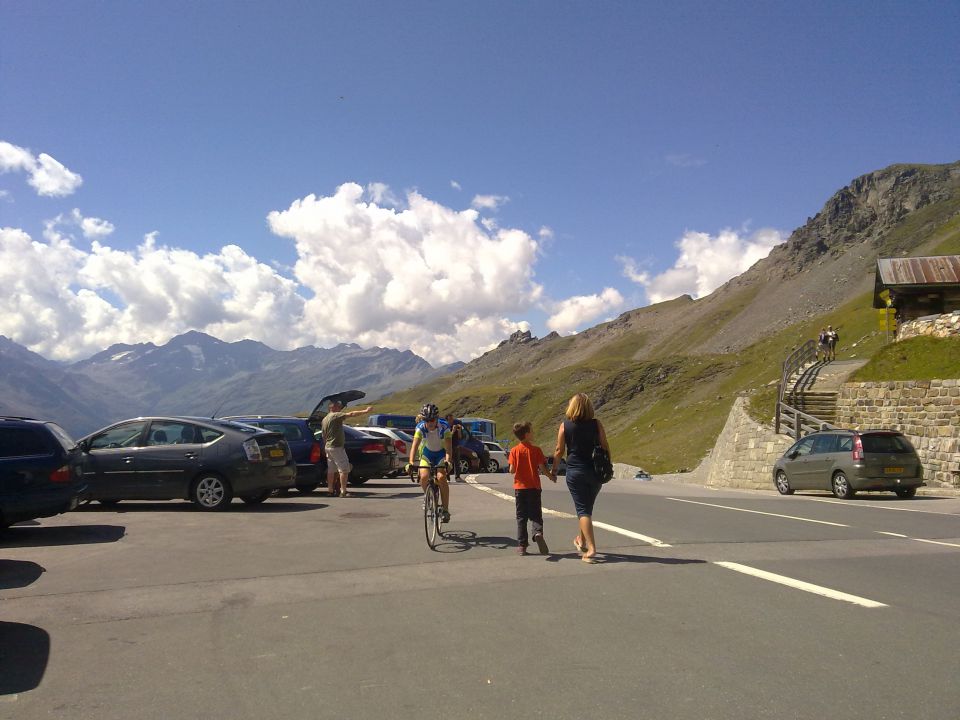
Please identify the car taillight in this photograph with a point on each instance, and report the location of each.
(316, 452)
(401, 446)
(857, 448)
(61, 474)
(252, 450)
(373, 447)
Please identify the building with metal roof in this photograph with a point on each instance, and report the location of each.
(918, 286)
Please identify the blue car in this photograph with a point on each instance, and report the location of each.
(307, 451)
(40, 470)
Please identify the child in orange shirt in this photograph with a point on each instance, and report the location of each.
(527, 463)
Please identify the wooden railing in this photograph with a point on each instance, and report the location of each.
(794, 422)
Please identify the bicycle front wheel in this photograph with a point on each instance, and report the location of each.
(431, 516)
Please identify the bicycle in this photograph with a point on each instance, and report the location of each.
(432, 515)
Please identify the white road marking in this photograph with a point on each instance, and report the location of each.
(872, 506)
(899, 535)
(801, 585)
(936, 542)
(556, 513)
(758, 512)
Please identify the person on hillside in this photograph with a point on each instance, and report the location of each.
(334, 441)
(528, 463)
(822, 346)
(833, 337)
(578, 435)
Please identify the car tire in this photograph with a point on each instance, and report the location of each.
(354, 481)
(109, 503)
(841, 487)
(783, 483)
(211, 492)
(906, 493)
(464, 466)
(307, 488)
(257, 499)
(493, 466)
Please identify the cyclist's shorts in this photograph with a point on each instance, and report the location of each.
(430, 458)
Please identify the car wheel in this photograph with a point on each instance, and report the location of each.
(356, 480)
(109, 503)
(493, 466)
(211, 492)
(906, 493)
(841, 486)
(464, 466)
(783, 484)
(308, 488)
(258, 498)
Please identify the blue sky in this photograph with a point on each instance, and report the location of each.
(432, 175)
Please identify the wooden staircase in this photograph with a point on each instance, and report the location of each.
(821, 404)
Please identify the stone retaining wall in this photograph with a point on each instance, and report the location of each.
(934, 326)
(926, 411)
(745, 452)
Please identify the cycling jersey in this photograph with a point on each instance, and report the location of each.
(432, 450)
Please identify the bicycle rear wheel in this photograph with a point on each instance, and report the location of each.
(431, 516)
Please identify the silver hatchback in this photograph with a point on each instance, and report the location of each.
(845, 461)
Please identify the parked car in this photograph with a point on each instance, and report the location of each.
(40, 471)
(498, 457)
(562, 469)
(473, 454)
(369, 456)
(204, 460)
(307, 451)
(401, 442)
(847, 461)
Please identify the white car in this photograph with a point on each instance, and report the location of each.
(401, 441)
(498, 457)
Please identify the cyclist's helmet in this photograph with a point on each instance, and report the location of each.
(430, 412)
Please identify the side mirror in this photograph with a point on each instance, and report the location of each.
(794, 455)
(84, 446)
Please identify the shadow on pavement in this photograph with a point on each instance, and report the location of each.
(457, 541)
(126, 506)
(24, 651)
(61, 535)
(610, 558)
(18, 573)
(877, 496)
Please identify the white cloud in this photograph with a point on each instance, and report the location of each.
(455, 185)
(46, 175)
(705, 263)
(488, 202)
(381, 194)
(422, 276)
(576, 312)
(5, 195)
(91, 227)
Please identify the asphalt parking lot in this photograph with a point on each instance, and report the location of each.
(328, 607)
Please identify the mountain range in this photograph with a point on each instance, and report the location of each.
(662, 377)
(195, 374)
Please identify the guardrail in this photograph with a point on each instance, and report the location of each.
(797, 423)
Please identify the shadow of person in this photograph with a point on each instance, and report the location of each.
(605, 558)
(18, 573)
(24, 656)
(457, 541)
(42, 536)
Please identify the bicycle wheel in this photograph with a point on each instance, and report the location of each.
(438, 516)
(431, 515)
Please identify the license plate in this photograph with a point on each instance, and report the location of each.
(276, 453)
(893, 470)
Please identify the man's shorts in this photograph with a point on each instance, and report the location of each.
(431, 459)
(337, 460)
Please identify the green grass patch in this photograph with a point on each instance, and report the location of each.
(918, 358)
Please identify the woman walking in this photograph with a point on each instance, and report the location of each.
(579, 434)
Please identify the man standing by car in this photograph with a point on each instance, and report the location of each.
(456, 432)
(334, 441)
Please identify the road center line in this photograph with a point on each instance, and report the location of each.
(936, 542)
(801, 585)
(758, 512)
(897, 535)
(557, 513)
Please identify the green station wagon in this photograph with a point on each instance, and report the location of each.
(845, 461)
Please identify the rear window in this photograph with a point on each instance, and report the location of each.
(20, 441)
(62, 436)
(885, 444)
(290, 431)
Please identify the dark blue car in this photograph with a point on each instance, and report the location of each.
(307, 451)
(40, 470)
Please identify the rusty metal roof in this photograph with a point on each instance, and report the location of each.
(938, 270)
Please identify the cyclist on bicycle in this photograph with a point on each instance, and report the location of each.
(433, 447)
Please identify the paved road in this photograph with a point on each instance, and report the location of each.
(335, 608)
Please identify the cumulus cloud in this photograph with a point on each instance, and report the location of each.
(45, 174)
(576, 312)
(91, 227)
(705, 263)
(489, 202)
(421, 276)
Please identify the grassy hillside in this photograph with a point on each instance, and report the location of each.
(919, 358)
